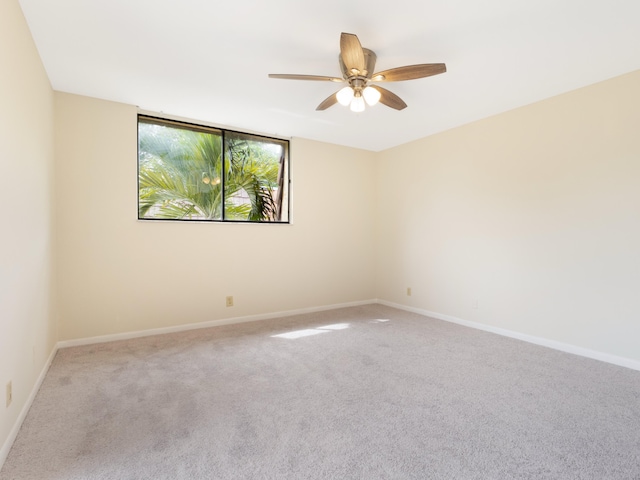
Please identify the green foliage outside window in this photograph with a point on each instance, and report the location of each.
(181, 174)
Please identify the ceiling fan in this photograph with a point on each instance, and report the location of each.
(357, 65)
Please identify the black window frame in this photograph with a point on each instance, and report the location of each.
(286, 185)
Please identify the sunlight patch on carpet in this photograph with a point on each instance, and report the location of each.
(312, 331)
(300, 333)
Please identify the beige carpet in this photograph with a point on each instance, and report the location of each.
(360, 393)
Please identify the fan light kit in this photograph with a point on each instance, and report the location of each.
(357, 64)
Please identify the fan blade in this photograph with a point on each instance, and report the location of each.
(328, 102)
(410, 72)
(305, 77)
(351, 52)
(390, 99)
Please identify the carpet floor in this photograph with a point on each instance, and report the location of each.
(367, 392)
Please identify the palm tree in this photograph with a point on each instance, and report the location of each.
(181, 175)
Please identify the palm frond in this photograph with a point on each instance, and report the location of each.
(181, 175)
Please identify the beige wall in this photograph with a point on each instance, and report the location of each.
(534, 213)
(27, 332)
(118, 274)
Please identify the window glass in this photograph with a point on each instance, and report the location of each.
(181, 174)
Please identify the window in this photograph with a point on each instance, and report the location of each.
(193, 172)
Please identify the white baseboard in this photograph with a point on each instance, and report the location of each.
(212, 323)
(4, 452)
(564, 347)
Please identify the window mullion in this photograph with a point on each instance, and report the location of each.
(223, 176)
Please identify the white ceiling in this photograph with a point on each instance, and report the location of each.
(209, 59)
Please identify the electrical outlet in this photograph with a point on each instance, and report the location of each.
(474, 303)
(229, 301)
(9, 393)
(408, 291)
